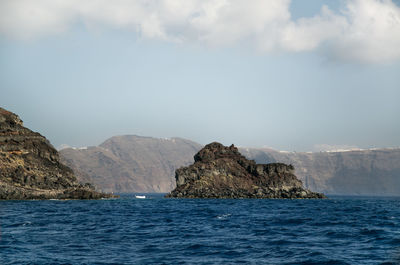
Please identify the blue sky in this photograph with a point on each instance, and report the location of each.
(296, 75)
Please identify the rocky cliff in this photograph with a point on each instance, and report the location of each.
(131, 163)
(145, 164)
(222, 172)
(362, 172)
(30, 167)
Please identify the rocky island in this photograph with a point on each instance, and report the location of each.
(30, 167)
(222, 172)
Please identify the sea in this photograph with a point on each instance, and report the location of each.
(156, 230)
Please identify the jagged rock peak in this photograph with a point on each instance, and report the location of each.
(9, 119)
(222, 172)
(216, 150)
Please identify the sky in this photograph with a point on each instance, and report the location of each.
(290, 75)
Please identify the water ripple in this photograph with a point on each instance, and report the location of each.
(341, 230)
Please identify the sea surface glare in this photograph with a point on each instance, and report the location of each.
(339, 230)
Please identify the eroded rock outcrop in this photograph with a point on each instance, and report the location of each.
(30, 167)
(222, 172)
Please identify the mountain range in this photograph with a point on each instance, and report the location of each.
(132, 163)
(355, 172)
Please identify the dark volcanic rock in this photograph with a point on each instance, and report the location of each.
(222, 172)
(30, 167)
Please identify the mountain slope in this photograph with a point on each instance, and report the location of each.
(132, 163)
(30, 167)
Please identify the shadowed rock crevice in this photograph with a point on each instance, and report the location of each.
(222, 172)
(30, 167)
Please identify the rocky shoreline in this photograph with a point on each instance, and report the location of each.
(222, 172)
(30, 166)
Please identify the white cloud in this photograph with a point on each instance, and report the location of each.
(308, 33)
(365, 30)
(27, 19)
(373, 33)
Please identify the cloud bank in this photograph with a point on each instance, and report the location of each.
(363, 30)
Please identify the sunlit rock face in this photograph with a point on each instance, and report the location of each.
(30, 167)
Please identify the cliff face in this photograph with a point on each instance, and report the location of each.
(364, 172)
(145, 164)
(222, 172)
(30, 167)
(131, 163)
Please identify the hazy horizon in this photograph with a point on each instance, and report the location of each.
(290, 75)
(315, 148)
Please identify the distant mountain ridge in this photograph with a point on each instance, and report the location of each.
(353, 172)
(146, 164)
(131, 163)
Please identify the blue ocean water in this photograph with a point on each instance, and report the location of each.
(339, 230)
